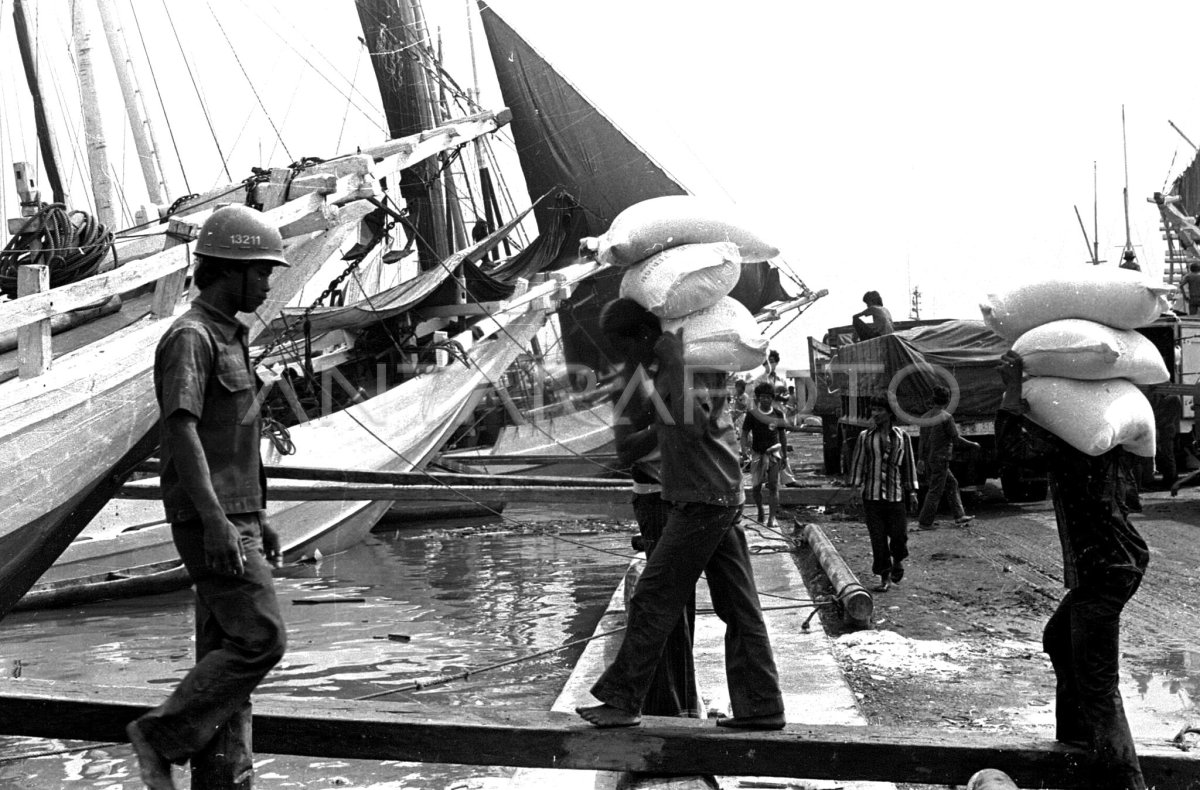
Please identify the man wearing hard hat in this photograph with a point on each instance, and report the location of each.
(214, 493)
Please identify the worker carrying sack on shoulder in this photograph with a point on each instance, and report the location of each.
(683, 279)
(1073, 348)
(660, 223)
(724, 336)
(1092, 416)
(1120, 298)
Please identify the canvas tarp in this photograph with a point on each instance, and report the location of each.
(958, 354)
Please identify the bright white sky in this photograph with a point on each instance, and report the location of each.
(881, 145)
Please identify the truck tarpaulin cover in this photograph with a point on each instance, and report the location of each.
(914, 361)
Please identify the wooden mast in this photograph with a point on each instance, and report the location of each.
(45, 135)
(388, 34)
(139, 123)
(97, 149)
(430, 115)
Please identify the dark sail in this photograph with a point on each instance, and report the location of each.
(564, 141)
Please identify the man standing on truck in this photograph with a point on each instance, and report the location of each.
(884, 469)
(939, 440)
(1104, 559)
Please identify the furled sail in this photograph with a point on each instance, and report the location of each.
(564, 141)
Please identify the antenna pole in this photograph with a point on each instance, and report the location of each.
(1086, 243)
(1125, 152)
(1095, 219)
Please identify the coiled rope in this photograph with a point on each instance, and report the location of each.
(72, 243)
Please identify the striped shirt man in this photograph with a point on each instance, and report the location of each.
(883, 464)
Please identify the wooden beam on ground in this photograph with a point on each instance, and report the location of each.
(379, 730)
(856, 603)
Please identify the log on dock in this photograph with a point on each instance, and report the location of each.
(378, 730)
(856, 603)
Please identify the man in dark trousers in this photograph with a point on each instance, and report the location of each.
(214, 492)
(702, 479)
(884, 469)
(1104, 559)
(626, 327)
(939, 439)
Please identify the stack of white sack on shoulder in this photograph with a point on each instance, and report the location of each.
(1076, 336)
(683, 256)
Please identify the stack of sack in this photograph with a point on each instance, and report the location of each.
(682, 256)
(1075, 334)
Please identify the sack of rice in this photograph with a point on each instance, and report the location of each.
(723, 336)
(1073, 348)
(672, 220)
(1119, 298)
(1092, 416)
(684, 279)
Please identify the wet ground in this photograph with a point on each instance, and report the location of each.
(437, 601)
(957, 645)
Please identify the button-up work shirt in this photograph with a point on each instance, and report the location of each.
(883, 464)
(202, 367)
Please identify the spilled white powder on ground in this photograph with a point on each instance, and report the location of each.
(888, 651)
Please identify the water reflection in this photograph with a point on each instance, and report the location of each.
(463, 600)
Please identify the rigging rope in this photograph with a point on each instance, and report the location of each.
(249, 82)
(187, 63)
(163, 106)
(73, 244)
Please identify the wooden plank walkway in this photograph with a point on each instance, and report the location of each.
(376, 730)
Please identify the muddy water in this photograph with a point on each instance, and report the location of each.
(462, 598)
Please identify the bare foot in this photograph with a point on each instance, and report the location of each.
(773, 721)
(605, 716)
(155, 769)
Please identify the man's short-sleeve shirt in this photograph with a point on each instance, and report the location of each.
(202, 367)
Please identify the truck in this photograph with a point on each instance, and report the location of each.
(962, 355)
(905, 366)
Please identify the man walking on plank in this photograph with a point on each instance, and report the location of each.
(214, 492)
(702, 479)
(626, 326)
(1104, 559)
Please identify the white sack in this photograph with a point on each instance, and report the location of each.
(1092, 416)
(724, 336)
(1077, 349)
(1119, 298)
(684, 279)
(663, 222)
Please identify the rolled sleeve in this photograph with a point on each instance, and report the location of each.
(186, 359)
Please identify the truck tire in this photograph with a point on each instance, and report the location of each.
(1022, 489)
